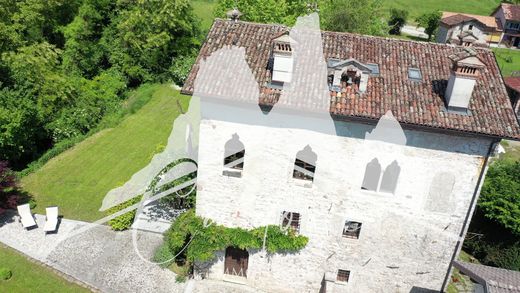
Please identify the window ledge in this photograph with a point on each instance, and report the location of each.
(341, 283)
(302, 183)
(377, 192)
(234, 279)
(232, 173)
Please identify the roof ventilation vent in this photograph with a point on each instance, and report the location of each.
(234, 14)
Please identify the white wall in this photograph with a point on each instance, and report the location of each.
(459, 90)
(477, 30)
(405, 240)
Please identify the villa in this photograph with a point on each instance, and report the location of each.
(385, 208)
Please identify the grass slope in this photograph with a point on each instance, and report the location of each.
(508, 60)
(204, 10)
(418, 7)
(78, 179)
(31, 277)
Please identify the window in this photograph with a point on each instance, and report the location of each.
(291, 220)
(374, 68)
(343, 276)
(351, 229)
(372, 175)
(236, 262)
(234, 153)
(414, 74)
(389, 181)
(470, 27)
(372, 178)
(305, 164)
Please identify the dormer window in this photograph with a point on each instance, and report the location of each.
(348, 74)
(414, 74)
(374, 68)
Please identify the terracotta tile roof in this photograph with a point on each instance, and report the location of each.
(454, 18)
(511, 11)
(412, 103)
(513, 83)
(495, 280)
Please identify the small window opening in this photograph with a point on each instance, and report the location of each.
(414, 74)
(470, 27)
(390, 176)
(305, 164)
(291, 220)
(352, 229)
(343, 276)
(350, 78)
(234, 153)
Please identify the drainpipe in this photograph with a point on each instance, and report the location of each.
(470, 212)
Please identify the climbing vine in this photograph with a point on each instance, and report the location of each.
(199, 240)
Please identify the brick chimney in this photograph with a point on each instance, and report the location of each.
(463, 77)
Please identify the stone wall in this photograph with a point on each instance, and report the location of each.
(407, 238)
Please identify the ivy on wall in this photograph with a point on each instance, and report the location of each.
(204, 239)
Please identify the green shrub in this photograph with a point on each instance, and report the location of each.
(181, 67)
(124, 221)
(206, 239)
(163, 256)
(5, 274)
(180, 279)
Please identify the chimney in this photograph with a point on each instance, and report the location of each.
(463, 77)
(234, 14)
(282, 59)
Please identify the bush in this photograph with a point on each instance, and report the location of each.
(397, 20)
(5, 274)
(124, 221)
(163, 256)
(206, 239)
(180, 68)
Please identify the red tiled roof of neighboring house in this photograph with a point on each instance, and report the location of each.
(511, 11)
(413, 103)
(495, 280)
(513, 83)
(454, 18)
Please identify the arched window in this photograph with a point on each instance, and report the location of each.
(305, 164)
(389, 181)
(372, 175)
(234, 153)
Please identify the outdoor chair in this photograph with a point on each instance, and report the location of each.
(51, 221)
(26, 217)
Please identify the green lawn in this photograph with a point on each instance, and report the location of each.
(78, 179)
(31, 277)
(508, 60)
(204, 10)
(418, 7)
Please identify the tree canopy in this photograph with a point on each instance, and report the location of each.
(500, 195)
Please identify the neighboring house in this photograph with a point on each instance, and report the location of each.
(509, 16)
(490, 279)
(468, 29)
(513, 88)
(382, 215)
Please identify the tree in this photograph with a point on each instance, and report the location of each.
(8, 187)
(397, 20)
(264, 11)
(354, 16)
(430, 22)
(500, 196)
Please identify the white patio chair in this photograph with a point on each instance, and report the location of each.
(51, 221)
(26, 217)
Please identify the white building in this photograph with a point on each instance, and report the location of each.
(384, 210)
(469, 29)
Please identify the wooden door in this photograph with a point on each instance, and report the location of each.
(236, 262)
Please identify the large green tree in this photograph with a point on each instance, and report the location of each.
(500, 196)
(264, 11)
(430, 22)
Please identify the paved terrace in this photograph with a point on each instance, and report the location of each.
(102, 258)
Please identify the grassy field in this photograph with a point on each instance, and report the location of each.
(418, 7)
(31, 277)
(204, 10)
(508, 60)
(78, 179)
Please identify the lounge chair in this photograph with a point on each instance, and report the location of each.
(26, 217)
(51, 222)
